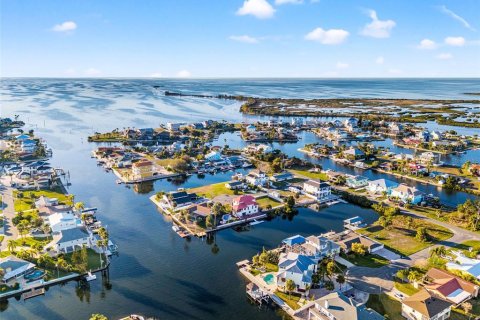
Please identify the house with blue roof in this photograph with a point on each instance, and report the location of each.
(294, 240)
(70, 240)
(14, 267)
(298, 268)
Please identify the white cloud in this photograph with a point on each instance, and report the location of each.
(156, 75)
(65, 27)
(444, 56)
(332, 36)
(380, 60)
(280, 2)
(342, 65)
(455, 16)
(427, 44)
(258, 8)
(378, 28)
(455, 41)
(92, 72)
(184, 74)
(244, 39)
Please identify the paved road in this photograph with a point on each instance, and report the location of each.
(10, 232)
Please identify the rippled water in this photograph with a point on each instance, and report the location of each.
(157, 273)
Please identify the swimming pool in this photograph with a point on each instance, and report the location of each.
(37, 274)
(269, 279)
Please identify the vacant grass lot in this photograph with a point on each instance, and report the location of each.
(401, 238)
(263, 202)
(291, 300)
(384, 304)
(311, 175)
(368, 260)
(26, 202)
(213, 190)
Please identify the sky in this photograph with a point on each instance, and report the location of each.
(239, 38)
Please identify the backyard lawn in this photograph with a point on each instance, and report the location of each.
(291, 300)
(93, 259)
(213, 190)
(368, 260)
(32, 241)
(311, 175)
(263, 202)
(466, 245)
(384, 304)
(402, 239)
(25, 203)
(405, 287)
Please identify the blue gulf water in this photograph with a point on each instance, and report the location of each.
(157, 273)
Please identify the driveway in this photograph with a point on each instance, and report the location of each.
(10, 231)
(387, 254)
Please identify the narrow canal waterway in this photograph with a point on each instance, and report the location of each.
(157, 273)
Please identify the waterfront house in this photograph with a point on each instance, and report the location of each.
(256, 178)
(294, 241)
(319, 247)
(429, 158)
(354, 154)
(356, 182)
(336, 306)
(464, 264)
(321, 191)
(348, 238)
(178, 199)
(351, 122)
(61, 208)
(380, 186)
(279, 177)
(244, 206)
(425, 305)
(70, 240)
(62, 221)
(395, 128)
(142, 170)
(28, 146)
(334, 176)
(251, 128)
(263, 148)
(407, 194)
(173, 126)
(436, 135)
(449, 287)
(213, 156)
(235, 185)
(201, 210)
(43, 201)
(14, 267)
(298, 268)
(423, 135)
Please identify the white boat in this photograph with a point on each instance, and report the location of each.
(119, 181)
(255, 222)
(175, 228)
(136, 317)
(90, 277)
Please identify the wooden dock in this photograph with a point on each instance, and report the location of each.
(33, 293)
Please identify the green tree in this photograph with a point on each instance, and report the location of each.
(11, 245)
(359, 249)
(290, 286)
(421, 235)
(341, 280)
(98, 316)
(402, 274)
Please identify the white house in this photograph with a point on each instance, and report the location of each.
(381, 185)
(320, 190)
(70, 240)
(244, 206)
(465, 264)
(256, 178)
(213, 156)
(62, 221)
(298, 268)
(173, 126)
(336, 306)
(356, 182)
(425, 306)
(251, 128)
(407, 194)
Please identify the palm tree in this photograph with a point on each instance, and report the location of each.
(11, 245)
(341, 280)
(413, 276)
(402, 274)
(438, 251)
(79, 206)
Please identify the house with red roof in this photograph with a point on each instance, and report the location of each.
(449, 287)
(244, 206)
